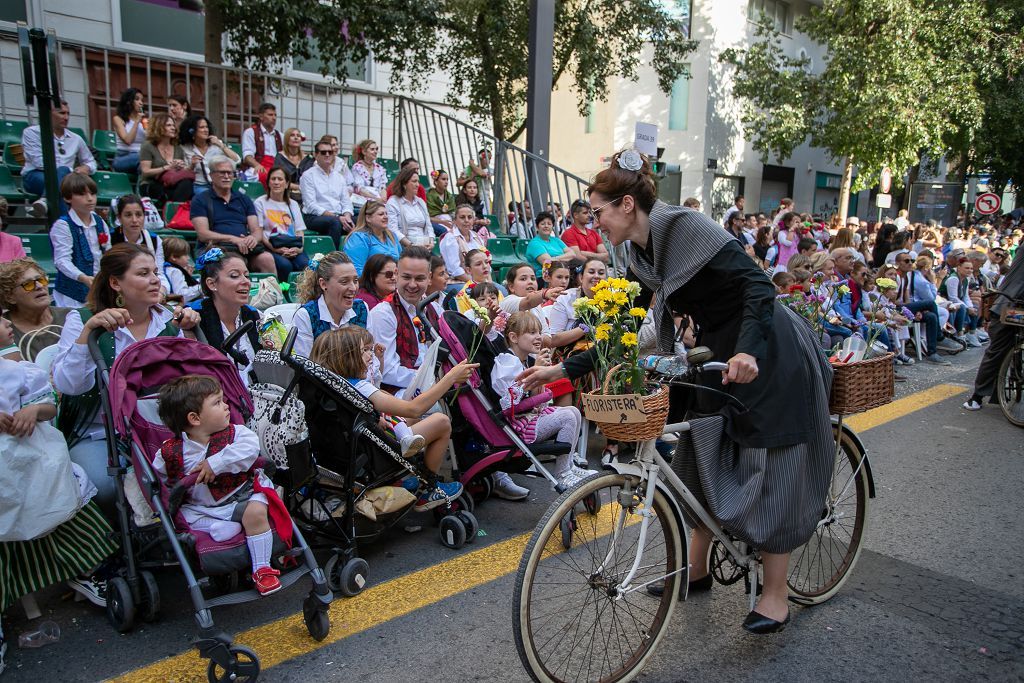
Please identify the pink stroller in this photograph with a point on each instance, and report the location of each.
(483, 438)
(129, 396)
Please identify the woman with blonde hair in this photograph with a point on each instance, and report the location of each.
(327, 292)
(293, 160)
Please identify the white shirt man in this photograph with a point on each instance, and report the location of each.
(413, 278)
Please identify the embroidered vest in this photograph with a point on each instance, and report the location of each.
(81, 256)
(222, 484)
(261, 145)
(320, 326)
(407, 342)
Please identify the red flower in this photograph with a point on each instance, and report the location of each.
(793, 289)
(102, 238)
(416, 321)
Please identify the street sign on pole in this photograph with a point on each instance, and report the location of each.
(883, 201)
(987, 203)
(885, 183)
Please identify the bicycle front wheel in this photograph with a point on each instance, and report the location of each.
(1010, 385)
(571, 623)
(820, 567)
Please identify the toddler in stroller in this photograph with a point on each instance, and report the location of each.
(347, 352)
(135, 428)
(230, 494)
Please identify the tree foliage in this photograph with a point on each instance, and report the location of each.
(901, 80)
(480, 44)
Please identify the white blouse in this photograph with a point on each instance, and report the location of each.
(410, 220)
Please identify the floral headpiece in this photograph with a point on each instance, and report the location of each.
(631, 160)
(314, 262)
(435, 174)
(211, 256)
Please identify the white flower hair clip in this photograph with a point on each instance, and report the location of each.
(631, 160)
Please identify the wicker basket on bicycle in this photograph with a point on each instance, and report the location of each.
(654, 407)
(863, 385)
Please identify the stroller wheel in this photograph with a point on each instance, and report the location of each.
(318, 622)
(567, 527)
(150, 595)
(469, 521)
(593, 503)
(348, 579)
(244, 666)
(453, 532)
(120, 604)
(481, 488)
(466, 501)
(226, 583)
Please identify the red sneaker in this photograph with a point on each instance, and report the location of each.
(266, 580)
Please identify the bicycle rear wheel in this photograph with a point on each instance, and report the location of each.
(569, 623)
(818, 569)
(1010, 385)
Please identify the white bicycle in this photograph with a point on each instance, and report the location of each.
(581, 608)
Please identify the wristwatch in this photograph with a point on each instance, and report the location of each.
(565, 372)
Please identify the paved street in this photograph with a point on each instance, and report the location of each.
(937, 594)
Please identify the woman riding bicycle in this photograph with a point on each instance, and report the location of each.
(782, 446)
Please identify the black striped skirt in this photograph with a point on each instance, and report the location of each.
(73, 548)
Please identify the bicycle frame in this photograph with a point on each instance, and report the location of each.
(650, 467)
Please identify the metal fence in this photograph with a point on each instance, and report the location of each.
(438, 140)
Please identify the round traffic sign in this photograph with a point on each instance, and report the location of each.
(987, 203)
(885, 182)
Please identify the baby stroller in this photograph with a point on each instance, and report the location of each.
(128, 392)
(344, 489)
(484, 439)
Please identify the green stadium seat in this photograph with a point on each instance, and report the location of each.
(9, 189)
(236, 147)
(10, 161)
(425, 182)
(80, 132)
(314, 244)
(391, 166)
(292, 294)
(38, 247)
(252, 188)
(10, 130)
(110, 185)
(104, 144)
(495, 225)
(503, 252)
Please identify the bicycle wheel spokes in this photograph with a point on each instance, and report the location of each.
(1010, 386)
(819, 567)
(571, 622)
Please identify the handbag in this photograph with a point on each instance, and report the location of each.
(268, 293)
(289, 428)
(172, 177)
(182, 219)
(286, 241)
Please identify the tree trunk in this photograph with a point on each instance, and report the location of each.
(214, 108)
(844, 188)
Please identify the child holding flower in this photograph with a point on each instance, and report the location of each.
(79, 238)
(533, 417)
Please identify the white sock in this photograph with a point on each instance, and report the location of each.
(260, 547)
(401, 430)
(562, 465)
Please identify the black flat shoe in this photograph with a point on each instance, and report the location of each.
(701, 585)
(760, 624)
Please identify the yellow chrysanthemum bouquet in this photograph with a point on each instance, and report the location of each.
(613, 324)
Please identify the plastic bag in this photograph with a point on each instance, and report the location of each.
(273, 333)
(267, 294)
(38, 488)
(426, 375)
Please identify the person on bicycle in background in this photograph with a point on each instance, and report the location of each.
(1001, 337)
(771, 494)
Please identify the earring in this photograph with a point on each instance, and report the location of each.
(119, 300)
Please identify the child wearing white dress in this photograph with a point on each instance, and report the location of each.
(230, 494)
(533, 417)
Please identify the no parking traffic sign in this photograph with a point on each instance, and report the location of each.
(987, 203)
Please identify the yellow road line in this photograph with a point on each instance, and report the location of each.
(904, 406)
(284, 639)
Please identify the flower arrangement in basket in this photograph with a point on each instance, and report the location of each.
(626, 407)
(864, 380)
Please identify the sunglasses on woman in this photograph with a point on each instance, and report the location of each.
(32, 285)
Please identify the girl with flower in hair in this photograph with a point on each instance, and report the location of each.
(440, 200)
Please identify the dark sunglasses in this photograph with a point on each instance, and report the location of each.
(325, 151)
(904, 260)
